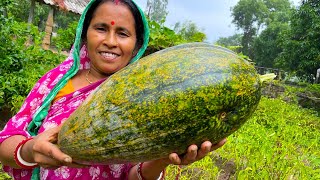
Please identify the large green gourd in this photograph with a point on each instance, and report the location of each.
(165, 102)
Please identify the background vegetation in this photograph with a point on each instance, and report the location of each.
(280, 141)
(278, 35)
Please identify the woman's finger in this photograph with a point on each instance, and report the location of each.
(191, 154)
(174, 159)
(219, 144)
(59, 155)
(204, 149)
(51, 151)
(51, 163)
(46, 161)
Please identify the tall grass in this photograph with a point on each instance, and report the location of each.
(280, 141)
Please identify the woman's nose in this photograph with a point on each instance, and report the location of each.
(110, 40)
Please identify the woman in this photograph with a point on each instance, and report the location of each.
(110, 35)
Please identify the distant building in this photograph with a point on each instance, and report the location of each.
(76, 6)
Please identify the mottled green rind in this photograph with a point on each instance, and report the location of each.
(166, 101)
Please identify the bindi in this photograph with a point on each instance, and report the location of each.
(117, 2)
(112, 23)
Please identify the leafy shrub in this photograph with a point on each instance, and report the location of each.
(65, 37)
(162, 37)
(38, 62)
(21, 65)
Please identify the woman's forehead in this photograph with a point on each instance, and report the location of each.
(113, 12)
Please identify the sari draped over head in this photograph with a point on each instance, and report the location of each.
(39, 113)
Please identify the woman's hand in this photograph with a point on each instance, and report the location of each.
(152, 169)
(194, 153)
(45, 152)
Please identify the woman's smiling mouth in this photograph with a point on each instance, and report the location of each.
(108, 55)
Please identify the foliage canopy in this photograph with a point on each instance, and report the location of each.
(276, 35)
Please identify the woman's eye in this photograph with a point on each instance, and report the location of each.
(100, 29)
(123, 34)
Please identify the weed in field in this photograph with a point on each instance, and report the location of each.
(280, 141)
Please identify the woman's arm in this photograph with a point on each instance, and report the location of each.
(7, 148)
(41, 150)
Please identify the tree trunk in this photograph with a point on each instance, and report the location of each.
(31, 12)
(30, 20)
(48, 30)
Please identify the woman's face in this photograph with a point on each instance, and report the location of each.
(111, 38)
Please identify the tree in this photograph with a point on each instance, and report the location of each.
(266, 46)
(301, 52)
(253, 16)
(156, 10)
(248, 15)
(189, 31)
(234, 40)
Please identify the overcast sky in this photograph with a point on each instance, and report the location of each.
(212, 16)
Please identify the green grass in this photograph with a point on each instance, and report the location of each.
(3, 176)
(280, 141)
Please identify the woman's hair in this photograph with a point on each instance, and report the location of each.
(132, 7)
